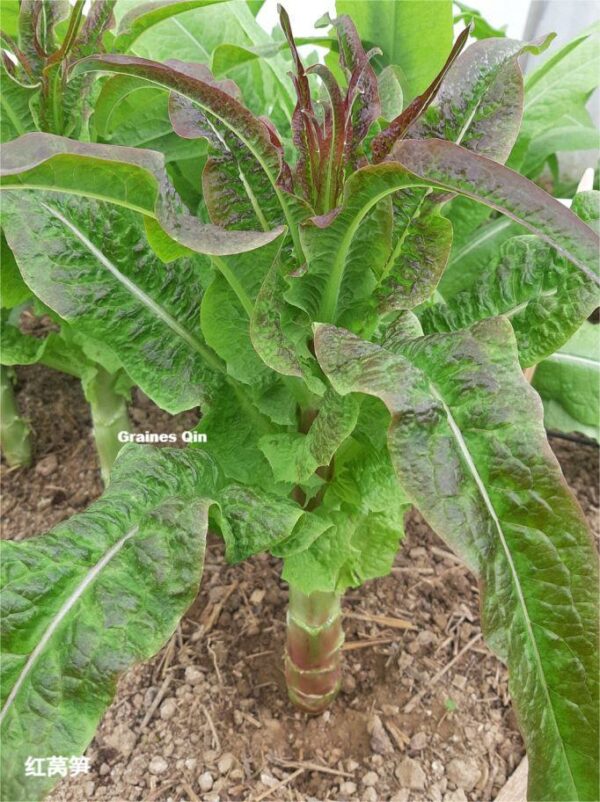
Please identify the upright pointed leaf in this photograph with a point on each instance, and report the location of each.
(100, 592)
(468, 445)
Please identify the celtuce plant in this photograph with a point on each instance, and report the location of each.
(328, 411)
(15, 437)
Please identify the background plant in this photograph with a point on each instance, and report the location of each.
(327, 411)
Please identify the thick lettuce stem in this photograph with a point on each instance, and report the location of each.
(313, 649)
(15, 437)
(109, 417)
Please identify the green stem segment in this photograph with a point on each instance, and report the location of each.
(15, 437)
(313, 650)
(109, 417)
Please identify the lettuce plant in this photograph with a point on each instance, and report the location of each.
(335, 396)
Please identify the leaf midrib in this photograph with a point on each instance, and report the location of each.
(61, 614)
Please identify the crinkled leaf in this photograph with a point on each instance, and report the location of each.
(569, 384)
(468, 445)
(100, 592)
(90, 262)
(16, 117)
(543, 294)
(131, 112)
(128, 177)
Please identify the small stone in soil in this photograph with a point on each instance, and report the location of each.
(380, 742)
(168, 709)
(225, 763)
(193, 675)
(47, 466)
(158, 765)
(464, 774)
(370, 795)
(205, 781)
(455, 796)
(347, 789)
(419, 741)
(370, 779)
(410, 774)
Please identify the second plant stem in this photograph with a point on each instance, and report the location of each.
(109, 417)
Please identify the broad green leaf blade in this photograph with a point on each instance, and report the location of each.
(129, 177)
(544, 295)
(468, 445)
(569, 384)
(450, 167)
(144, 16)
(100, 592)
(400, 28)
(445, 166)
(216, 104)
(480, 103)
(90, 262)
(13, 290)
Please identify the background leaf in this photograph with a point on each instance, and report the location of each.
(400, 28)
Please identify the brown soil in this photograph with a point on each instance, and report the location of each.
(207, 719)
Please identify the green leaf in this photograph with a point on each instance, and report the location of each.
(13, 290)
(294, 457)
(468, 446)
(97, 594)
(400, 28)
(559, 139)
(480, 27)
(563, 82)
(569, 384)
(445, 166)
(390, 91)
(543, 294)
(16, 117)
(480, 103)
(9, 11)
(144, 16)
(90, 262)
(128, 177)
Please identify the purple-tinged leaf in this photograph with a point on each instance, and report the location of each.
(480, 102)
(224, 112)
(384, 142)
(441, 165)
